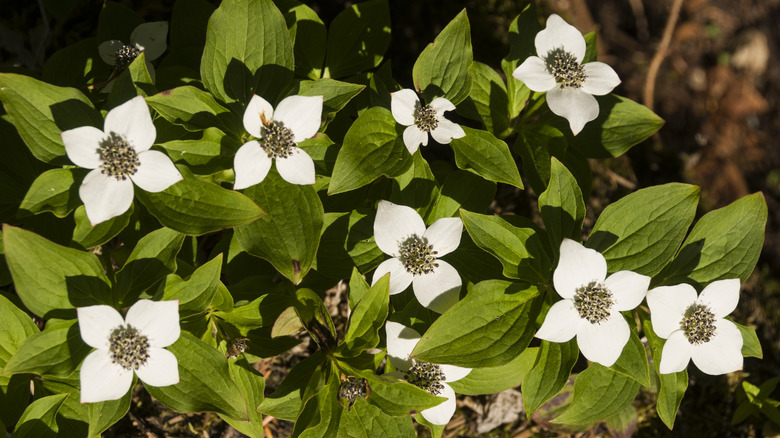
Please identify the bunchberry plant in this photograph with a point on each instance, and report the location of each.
(273, 157)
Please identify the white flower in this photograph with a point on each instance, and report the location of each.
(570, 85)
(592, 303)
(421, 120)
(296, 118)
(400, 232)
(694, 328)
(133, 344)
(120, 156)
(147, 37)
(401, 341)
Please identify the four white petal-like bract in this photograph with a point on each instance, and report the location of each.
(296, 118)
(408, 111)
(695, 328)
(120, 156)
(401, 341)
(558, 70)
(592, 303)
(135, 343)
(400, 232)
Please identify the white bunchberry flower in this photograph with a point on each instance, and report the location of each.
(695, 328)
(592, 303)
(400, 232)
(422, 119)
(147, 37)
(558, 70)
(120, 156)
(127, 345)
(296, 118)
(433, 378)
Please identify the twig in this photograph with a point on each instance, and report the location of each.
(660, 53)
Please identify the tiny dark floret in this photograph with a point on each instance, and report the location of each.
(425, 118)
(128, 348)
(565, 68)
(427, 376)
(119, 157)
(698, 325)
(417, 255)
(125, 56)
(277, 141)
(594, 302)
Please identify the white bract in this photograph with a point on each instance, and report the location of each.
(433, 378)
(558, 70)
(296, 118)
(592, 303)
(148, 38)
(422, 119)
(695, 328)
(400, 232)
(120, 156)
(123, 346)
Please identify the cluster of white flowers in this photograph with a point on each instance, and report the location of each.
(695, 328)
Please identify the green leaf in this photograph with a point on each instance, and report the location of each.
(519, 248)
(461, 189)
(286, 401)
(358, 288)
(549, 374)
(487, 100)
(642, 231)
(192, 108)
(308, 35)
(39, 420)
(322, 151)
(373, 146)
(117, 22)
(321, 413)
(134, 81)
(248, 51)
(621, 124)
(395, 397)
(251, 383)
(364, 420)
(672, 386)
(442, 69)
(54, 190)
(336, 94)
(346, 242)
(522, 32)
(77, 65)
(493, 380)
(633, 361)
(491, 326)
(489, 157)
(87, 236)
(189, 20)
(213, 152)
(536, 144)
(195, 293)
(751, 347)
(205, 383)
(56, 351)
(193, 206)
(724, 243)
(366, 319)
(153, 257)
(41, 112)
(599, 393)
(358, 38)
(289, 235)
(416, 187)
(561, 205)
(15, 327)
(50, 279)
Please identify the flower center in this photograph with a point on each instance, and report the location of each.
(125, 56)
(698, 325)
(352, 389)
(427, 376)
(417, 255)
(594, 302)
(128, 348)
(565, 68)
(118, 156)
(425, 118)
(278, 141)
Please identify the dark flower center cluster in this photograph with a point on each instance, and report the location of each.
(352, 389)
(593, 302)
(425, 118)
(698, 325)
(417, 256)
(427, 376)
(118, 156)
(125, 56)
(565, 68)
(277, 141)
(128, 348)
